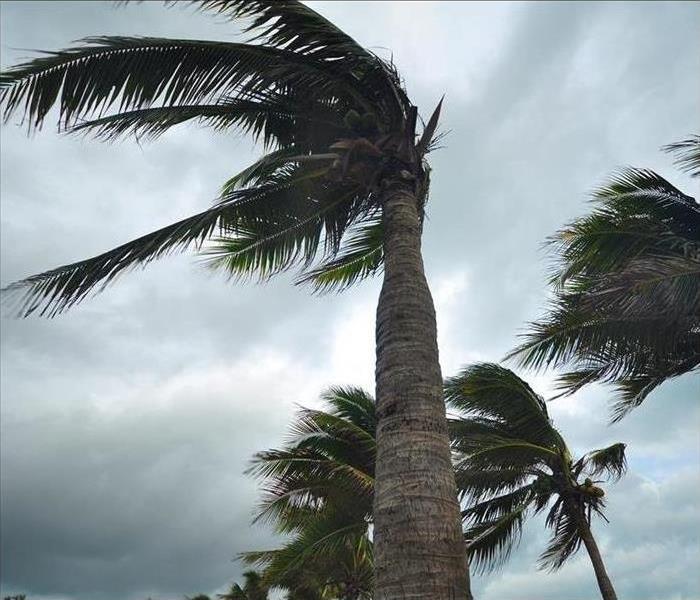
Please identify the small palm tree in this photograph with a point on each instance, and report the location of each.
(511, 462)
(319, 489)
(626, 305)
(254, 588)
(340, 194)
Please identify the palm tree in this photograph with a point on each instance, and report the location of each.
(626, 305)
(319, 489)
(254, 588)
(511, 463)
(340, 194)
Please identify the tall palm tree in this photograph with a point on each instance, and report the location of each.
(340, 194)
(512, 462)
(626, 305)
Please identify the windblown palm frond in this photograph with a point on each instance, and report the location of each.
(609, 462)
(687, 154)
(319, 488)
(333, 118)
(500, 399)
(490, 542)
(512, 463)
(626, 306)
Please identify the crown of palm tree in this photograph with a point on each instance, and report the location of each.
(512, 462)
(626, 305)
(254, 588)
(319, 488)
(333, 117)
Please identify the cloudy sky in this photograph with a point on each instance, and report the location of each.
(127, 423)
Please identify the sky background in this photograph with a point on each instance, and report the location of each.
(128, 422)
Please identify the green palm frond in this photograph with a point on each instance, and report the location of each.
(132, 73)
(499, 506)
(361, 256)
(565, 540)
(490, 543)
(476, 484)
(610, 461)
(254, 588)
(326, 539)
(294, 26)
(687, 154)
(626, 308)
(277, 119)
(319, 490)
(491, 391)
(238, 214)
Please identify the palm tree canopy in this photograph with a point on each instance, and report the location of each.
(626, 305)
(319, 489)
(512, 462)
(254, 588)
(333, 118)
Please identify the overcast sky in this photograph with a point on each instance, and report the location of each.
(127, 423)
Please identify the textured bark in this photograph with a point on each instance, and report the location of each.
(419, 550)
(606, 588)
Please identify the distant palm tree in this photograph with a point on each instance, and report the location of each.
(319, 489)
(626, 305)
(512, 462)
(340, 194)
(254, 588)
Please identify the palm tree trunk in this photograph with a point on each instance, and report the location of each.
(419, 548)
(606, 588)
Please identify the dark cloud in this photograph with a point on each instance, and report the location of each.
(127, 423)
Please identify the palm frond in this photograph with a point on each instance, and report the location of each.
(490, 543)
(687, 154)
(296, 27)
(330, 535)
(476, 484)
(242, 215)
(327, 463)
(275, 119)
(498, 506)
(360, 257)
(491, 391)
(269, 247)
(627, 292)
(610, 461)
(133, 73)
(565, 540)
(428, 136)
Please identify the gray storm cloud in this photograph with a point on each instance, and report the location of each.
(127, 423)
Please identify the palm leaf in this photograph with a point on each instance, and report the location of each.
(294, 26)
(491, 391)
(490, 543)
(610, 461)
(627, 292)
(140, 72)
(239, 214)
(360, 257)
(687, 154)
(565, 540)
